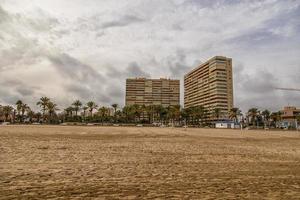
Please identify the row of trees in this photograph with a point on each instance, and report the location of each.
(90, 112)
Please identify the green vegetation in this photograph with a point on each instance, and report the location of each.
(90, 112)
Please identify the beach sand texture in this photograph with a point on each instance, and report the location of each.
(69, 162)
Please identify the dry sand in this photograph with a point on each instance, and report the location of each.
(39, 162)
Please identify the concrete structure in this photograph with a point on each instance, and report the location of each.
(210, 85)
(225, 125)
(142, 91)
(290, 113)
(289, 117)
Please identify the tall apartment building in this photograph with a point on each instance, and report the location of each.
(144, 91)
(210, 85)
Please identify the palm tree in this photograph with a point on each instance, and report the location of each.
(1, 111)
(51, 107)
(235, 113)
(103, 111)
(24, 108)
(84, 108)
(276, 117)
(38, 116)
(77, 106)
(298, 120)
(7, 111)
(115, 107)
(30, 114)
(198, 114)
(149, 111)
(137, 111)
(266, 116)
(43, 104)
(162, 111)
(69, 111)
(186, 114)
(14, 113)
(91, 105)
(253, 113)
(19, 105)
(128, 112)
(217, 113)
(173, 113)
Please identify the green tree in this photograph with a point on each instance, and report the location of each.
(253, 114)
(276, 117)
(234, 114)
(77, 106)
(266, 116)
(7, 111)
(19, 105)
(43, 102)
(38, 116)
(52, 108)
(199, 114)
(69, 111)
(175, 113)
(30, 115)
(1, 111)
(137, 110)
(149, 111)
(91, 105)
(128, 112)
(103, 112)
(186, 114)
(84, 108)
(24, 109)
(217, 113)
(115, 107)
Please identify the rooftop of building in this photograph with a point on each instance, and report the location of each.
(294, 108)
(205, 63)
(152, 79)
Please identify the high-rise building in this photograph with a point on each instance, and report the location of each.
(142, 91)
(210, 85)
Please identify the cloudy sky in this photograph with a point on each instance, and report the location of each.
(85, 49)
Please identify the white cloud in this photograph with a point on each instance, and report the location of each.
(162, 38)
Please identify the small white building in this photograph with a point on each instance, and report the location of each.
(225, 124)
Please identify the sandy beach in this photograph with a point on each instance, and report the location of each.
(65, 162)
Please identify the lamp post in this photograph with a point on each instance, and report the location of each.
(296, 121)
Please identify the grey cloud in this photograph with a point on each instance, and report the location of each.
(73, 68)
(256, 90)
(100, 34)
(16, 53)
(43, 24)
(123, 21)
(116, 92)
(114, 73)
(178, 65)
(13, 90)
(134, 70)
(20, 48)
(105, 99)
(8, 98)
(261, 82)
(80, 90)
(84, 82)
(87, 93)
(177, 27)
(3, 15)
(25, 91)
(193, 31)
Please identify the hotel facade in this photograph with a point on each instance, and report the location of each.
(142, 91)
(210, 85)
